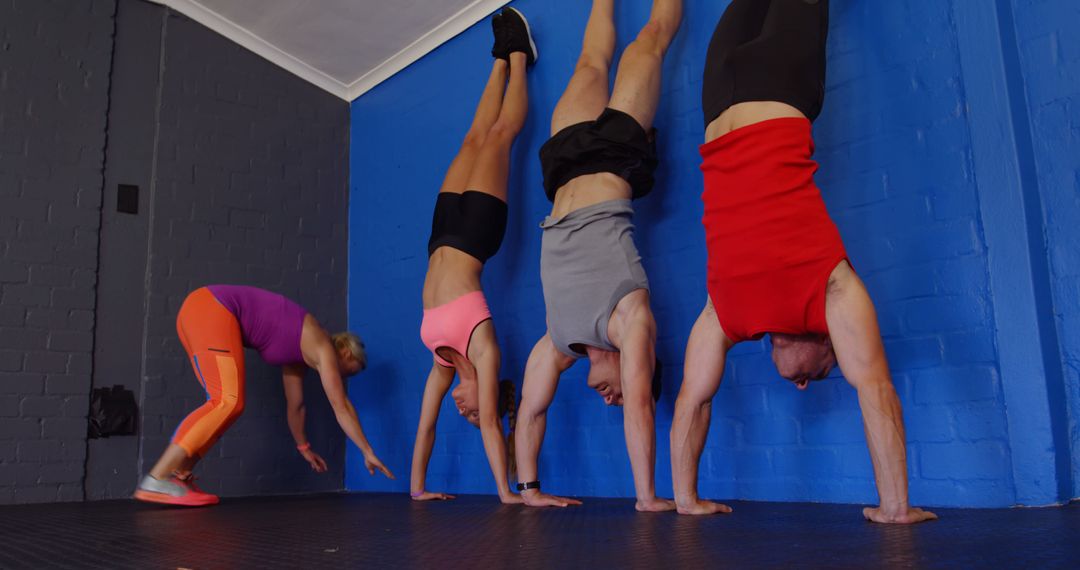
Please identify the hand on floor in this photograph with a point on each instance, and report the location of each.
(545, 500)
(911, 516)
(426, 496)
(655, 505)
(511, 499)
(699, 507)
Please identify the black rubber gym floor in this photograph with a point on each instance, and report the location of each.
(378, 530)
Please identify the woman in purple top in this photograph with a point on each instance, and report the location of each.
(215, 324)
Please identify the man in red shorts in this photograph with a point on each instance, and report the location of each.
(776, 263)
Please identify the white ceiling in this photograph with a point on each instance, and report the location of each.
(343, 46)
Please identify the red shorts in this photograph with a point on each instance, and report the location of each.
(771, 244)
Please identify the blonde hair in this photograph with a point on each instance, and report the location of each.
(353, 344)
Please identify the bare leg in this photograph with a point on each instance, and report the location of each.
(703, 369)
(487, 112)
(586, 95)
(856, 339)
(492, 167)
(188, 465)
(174, 459)
(637, 83)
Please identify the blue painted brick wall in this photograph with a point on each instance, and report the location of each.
(895, 154)
(1050, 55)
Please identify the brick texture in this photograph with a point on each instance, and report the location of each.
(54, 73)
(1050, 56)
(250, 189)
(894, 149)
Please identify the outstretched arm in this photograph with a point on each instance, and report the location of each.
(637, 356)
(706, 352)
(541, 378)
(484, 354)
(325, 362)
(438, 383)
(856, 339)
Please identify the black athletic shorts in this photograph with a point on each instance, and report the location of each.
(767, 50)
(614, 143)
(473, 222)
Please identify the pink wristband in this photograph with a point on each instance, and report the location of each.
(304, 447)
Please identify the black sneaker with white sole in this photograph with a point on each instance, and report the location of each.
(512, 34)
(498, 30)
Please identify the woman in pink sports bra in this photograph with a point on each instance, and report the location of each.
(466, 230)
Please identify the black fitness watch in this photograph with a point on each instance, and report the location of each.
(528, 485)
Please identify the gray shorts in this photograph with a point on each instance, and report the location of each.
(588, 263)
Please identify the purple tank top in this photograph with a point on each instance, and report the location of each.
(269, 322)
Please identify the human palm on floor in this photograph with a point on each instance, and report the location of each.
(467, 229)
(601, 155)
(776, 263)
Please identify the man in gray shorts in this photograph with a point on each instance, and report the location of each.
(601, 156)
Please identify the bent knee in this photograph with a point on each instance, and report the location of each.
(653, 38)
(474, 139)
(231, 408)
(593, 62)
(592, 67)
(502, 133)
(645, 52)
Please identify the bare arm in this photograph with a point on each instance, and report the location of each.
(541, 379)
(319, 354)
(703, 369)
(292, 378)
(484, 354)
(884, 425)
(637, 359)
(856, 339)
(438, 383)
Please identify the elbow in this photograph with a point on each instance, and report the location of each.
(527, 415)
(341, 405)
(638, 404)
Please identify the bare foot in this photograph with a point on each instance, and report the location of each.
(655, 505)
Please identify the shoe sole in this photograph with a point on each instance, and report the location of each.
(528, 33)
(163, 499)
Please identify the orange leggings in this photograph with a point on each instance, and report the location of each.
(212, 339)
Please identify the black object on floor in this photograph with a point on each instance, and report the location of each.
(379, 530)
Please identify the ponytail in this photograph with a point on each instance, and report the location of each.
(508, 409)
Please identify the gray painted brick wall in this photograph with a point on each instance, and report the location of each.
(112, 467)
(54, 80)
(250, 189)
(249, 186)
